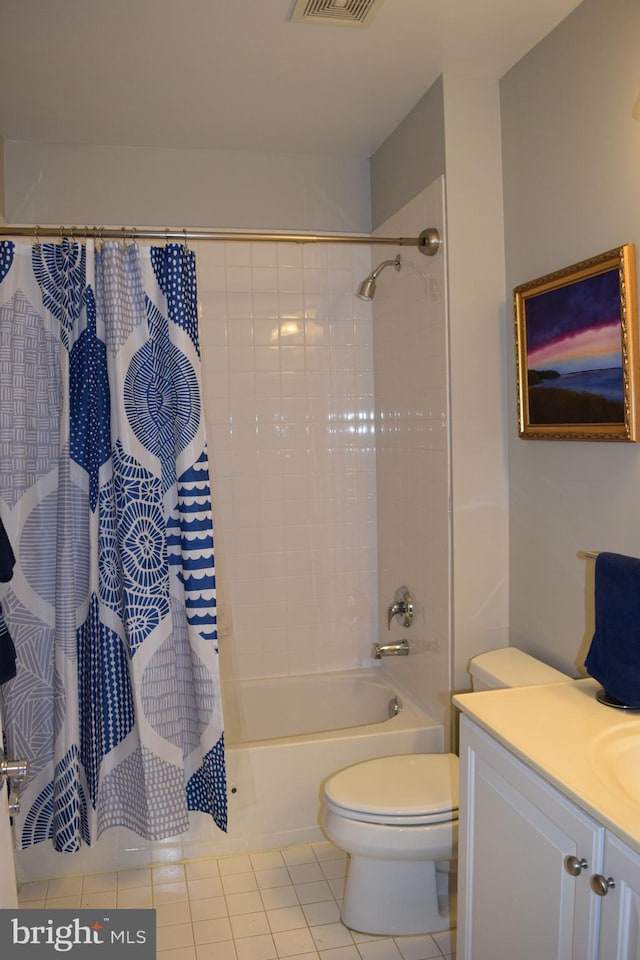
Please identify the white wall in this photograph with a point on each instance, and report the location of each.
(571, 173)
(411, 157)
(477, 368)
(457, 125)
(412, 453)
(75, 184)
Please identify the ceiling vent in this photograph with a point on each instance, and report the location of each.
(346, 13)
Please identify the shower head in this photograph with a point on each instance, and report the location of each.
(367, 289)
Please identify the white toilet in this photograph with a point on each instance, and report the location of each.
(397, 818)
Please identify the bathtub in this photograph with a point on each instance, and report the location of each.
(279, 708)
(285, 735)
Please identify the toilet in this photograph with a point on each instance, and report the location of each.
(397, 818)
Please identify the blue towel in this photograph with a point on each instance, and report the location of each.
(7, 653)
(7, 649)
(7, 559)
(614, 654)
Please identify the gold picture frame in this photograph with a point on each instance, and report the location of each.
(577, 351)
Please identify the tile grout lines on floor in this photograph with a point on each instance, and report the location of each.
(270, 905)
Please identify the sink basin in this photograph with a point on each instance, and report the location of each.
(615, 757)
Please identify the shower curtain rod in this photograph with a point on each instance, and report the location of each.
(428, 242)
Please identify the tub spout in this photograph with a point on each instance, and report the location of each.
(399, 649)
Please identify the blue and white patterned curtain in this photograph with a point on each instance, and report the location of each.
(104, 491)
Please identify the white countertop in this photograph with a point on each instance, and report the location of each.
(562, 732)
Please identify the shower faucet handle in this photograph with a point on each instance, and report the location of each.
(402, 606)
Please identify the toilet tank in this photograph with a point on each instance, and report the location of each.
(510, 667)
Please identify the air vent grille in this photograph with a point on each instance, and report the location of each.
(347, 13)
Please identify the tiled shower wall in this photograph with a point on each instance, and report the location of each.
(287, 360)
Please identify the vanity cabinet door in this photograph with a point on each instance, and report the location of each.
(518, 893)
(620, 917)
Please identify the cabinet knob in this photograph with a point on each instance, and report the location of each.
(601, 885)
(574, 866)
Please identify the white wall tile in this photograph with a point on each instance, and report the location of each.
(288, 387)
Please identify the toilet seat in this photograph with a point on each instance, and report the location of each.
(413, 789)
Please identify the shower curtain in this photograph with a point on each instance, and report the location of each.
(104, 491)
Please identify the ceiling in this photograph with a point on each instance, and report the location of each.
(238, 74)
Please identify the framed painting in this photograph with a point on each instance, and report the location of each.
(577, 351)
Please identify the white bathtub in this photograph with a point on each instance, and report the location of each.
(285, 735)
(277, 708)
(273, 780)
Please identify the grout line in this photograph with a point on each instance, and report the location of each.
(314, 952)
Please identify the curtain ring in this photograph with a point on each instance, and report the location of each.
(186, 245)
(133, 237)
(37, 236)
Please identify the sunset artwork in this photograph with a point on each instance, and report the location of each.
(577, 362)
(574, 352)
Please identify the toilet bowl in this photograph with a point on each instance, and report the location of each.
(397, 818)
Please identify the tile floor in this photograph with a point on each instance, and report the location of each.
(259, 906)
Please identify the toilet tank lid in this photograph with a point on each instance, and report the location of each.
(510, 667)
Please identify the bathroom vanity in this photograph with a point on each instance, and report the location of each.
(549, 831)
